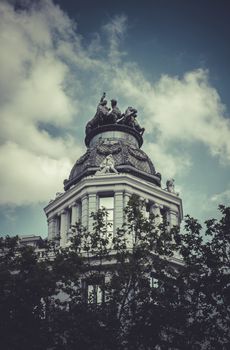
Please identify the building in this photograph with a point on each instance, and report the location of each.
(112, 169)
(31, 240)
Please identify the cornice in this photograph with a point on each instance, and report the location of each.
(115, 182)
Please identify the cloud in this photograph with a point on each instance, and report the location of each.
(34, 93)
(29, 177)
(115, 30)
(175, 110)
(50, 78)
(161, 156)
(222, 197)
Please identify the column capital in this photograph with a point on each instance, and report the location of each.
(126, 192)
(174, 212)
(62, 212)
(51, 219)
(118, 193)
(157, 205)
(73, 204)
(85, 196)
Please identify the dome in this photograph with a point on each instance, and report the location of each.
(123, 143)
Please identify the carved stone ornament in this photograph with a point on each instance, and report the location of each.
(170, 187)
(137, 153)
(107, 148)
(83, 158)
(107, 166)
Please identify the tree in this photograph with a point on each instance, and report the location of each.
(148, 287)
(206, 281)
(27, 288)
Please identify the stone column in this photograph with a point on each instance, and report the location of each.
(63, 228)
(85, 211)
(173, 218)
(144, 208)
(79, 211)
(51, 228)
(75, 213)
(72, 219)
(69, 232)
(68, 217)
(126, 199)
(92, 207)
(130, 238)
(155, 210)
(57, 225)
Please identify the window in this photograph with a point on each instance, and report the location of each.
(108, 204)
(94, 294)
(93, 290)
(154, 282)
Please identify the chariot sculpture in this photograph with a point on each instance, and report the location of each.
(107, 116)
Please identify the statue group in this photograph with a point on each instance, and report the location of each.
(113, 115)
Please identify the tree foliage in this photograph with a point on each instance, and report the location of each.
(148, 287)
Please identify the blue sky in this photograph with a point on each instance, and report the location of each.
(169, 59)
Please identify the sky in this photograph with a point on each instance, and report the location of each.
(167, 58)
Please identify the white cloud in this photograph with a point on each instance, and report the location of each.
(163, 159)
(222, 197)
(50, 77)
(29, 177)
(186, 109)
(33, 92)
(115, 30)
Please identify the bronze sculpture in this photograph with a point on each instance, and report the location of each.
(113, 115)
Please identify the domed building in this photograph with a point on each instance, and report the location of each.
(112, 169)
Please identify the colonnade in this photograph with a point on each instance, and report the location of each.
(60, 223)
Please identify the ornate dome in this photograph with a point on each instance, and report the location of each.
(123, 143)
